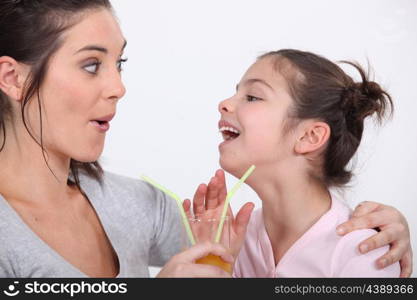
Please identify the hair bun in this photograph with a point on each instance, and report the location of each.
(362, 99)
(372, 90)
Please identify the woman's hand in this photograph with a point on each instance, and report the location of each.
(208, 203)
(393, 230)
(183, 264)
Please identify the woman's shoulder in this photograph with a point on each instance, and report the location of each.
(124, 196)
(127, 200)
(115, 184)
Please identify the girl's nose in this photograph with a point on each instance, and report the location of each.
(225, 106)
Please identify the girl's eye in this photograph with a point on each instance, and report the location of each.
(250, 98)
(120, 63)
(92, 67)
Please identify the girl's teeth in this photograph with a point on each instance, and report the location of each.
(224, 128)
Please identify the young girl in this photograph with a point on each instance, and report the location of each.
(299, 118)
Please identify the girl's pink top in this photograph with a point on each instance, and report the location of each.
(320, 252)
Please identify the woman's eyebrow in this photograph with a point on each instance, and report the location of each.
(98, 48)
(93, 48)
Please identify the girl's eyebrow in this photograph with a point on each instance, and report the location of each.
(255, 80)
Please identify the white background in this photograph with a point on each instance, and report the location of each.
(186, 56)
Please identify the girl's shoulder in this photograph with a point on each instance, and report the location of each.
(348, 261)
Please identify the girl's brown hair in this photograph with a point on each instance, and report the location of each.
(322, 90)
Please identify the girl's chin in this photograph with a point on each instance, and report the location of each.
(231, 168)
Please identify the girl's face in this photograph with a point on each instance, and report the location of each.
(81, 89)
(252, 121)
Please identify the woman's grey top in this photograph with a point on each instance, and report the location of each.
(142, 224)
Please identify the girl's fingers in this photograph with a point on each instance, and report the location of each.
(242, 219)
(230, 214)
(212, 194)
(222, 185)
(187, 208)
(198, 200)
(223, 192)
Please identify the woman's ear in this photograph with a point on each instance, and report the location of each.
(312, 136)
(12, 77)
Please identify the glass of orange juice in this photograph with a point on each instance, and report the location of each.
(204, 229)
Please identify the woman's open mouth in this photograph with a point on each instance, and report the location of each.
(101, 125)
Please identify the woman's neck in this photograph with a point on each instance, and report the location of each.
(291, 204)
(25, 176)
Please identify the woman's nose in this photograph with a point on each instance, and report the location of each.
(116, 88)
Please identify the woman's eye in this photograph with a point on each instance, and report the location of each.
(250, 98)
(92, 68)
(120, 63)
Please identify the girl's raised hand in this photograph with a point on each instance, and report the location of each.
(208, 203)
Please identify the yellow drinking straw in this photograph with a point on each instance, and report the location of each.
(226, 202)
(179, 203)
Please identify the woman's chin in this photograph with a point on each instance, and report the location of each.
(87, 157)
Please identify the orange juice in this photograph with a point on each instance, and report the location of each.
(215, 260)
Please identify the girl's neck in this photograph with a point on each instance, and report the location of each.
(290, 206)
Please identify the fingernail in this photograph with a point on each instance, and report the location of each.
(382, 262)
(363, 248)
(340, 230)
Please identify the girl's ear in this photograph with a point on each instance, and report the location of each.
(312, 136)
(12, 77)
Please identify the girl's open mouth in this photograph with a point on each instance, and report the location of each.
(229, 133)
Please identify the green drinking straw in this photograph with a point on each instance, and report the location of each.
(226, 202)
(179, 203)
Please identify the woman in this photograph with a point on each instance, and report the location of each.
(61, 215)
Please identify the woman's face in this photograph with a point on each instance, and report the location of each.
(81, 88)
(257, 113)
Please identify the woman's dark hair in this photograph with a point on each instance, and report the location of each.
(31, 32)
(322, 90)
